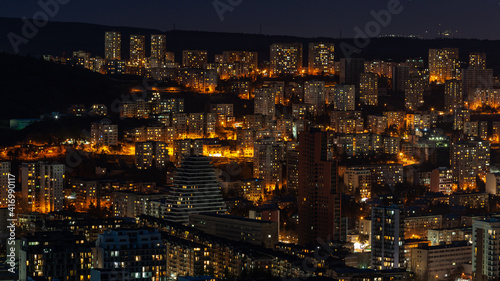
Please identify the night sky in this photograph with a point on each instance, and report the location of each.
(307, 18)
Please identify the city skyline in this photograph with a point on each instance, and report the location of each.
(138, 154)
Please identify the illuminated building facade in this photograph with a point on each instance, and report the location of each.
(442, 180)
(368, 89)
(252, 189)
(377, 124)
(267, 163)
(265, 102)
(395, 118)
(483, 97)
(453, 95)
(476, 78)
(486, 249)
(387, 238)
(385, 174)
(321, 58)
(420, 121)
(57, 255)
(437, 262)
(98, 110)
(379, 67)
(159, 47)
(196, 190)
(236, 64)
(496, 132)
(151, 155)
(201, 80)
(278, 87)
(343, 97)
(250, 58)
(477, 60)
(414, 93)
(417, 226)
(137, 49)
(86, 191)
(104, 134)
(347, 122)
(113, 45)
(115, 67)
(468, 160)
(443, 64)
(392, 145)
(460, 118)
(42, 186)
(186, 258)
(186, 147)
(5, 170)
(314, 93)
(286, 58)
(359, 180)
(139, 252)
(194, 58)
(82, 58)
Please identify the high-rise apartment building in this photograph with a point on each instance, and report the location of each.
(400, 76)
(5, 170)
(443, 65)
(468, 160)
(314, 94)
(42, 187)
(477, 60)
(486, 249)
(113, 45)
(286, 58)
(152, 154)
(137, 49)
(265, 102)
(387, 238)
(321, 58)
(159, 47)
(359, 180)
(453, 95)
(103, 134)
(318, 198)
(267, 163)
(196, 190)
(249, 60)
(343, 97)
(476, 78)
(376, 124)
(414, 93)
(368, 89)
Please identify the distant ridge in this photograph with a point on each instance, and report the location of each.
(57, 38)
